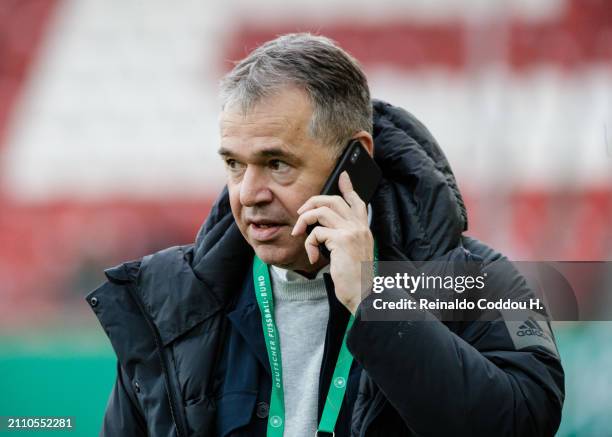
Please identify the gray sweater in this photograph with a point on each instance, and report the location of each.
(301, 311)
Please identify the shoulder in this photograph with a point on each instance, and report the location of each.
(135, 277)
(482, 250)
(137, 297)
(504, 278)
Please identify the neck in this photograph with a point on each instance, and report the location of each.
(306, 269)
(309, 275)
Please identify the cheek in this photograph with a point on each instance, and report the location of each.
(302, 193)
(292, 202)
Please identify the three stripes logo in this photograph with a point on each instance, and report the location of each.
(531, 327)
(531, 332)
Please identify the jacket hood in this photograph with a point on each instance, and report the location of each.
(417, 211)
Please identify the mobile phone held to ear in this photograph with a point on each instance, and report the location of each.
(363, 172)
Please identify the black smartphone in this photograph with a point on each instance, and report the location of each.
(363, 171)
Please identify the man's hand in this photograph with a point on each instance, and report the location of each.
(343, 228)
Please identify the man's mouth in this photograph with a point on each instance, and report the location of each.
(264, 231)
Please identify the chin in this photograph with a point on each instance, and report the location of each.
(271, 254)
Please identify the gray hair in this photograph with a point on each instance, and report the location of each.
(336, 85)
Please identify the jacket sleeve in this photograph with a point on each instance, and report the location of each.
(470, 382)
(122, 416)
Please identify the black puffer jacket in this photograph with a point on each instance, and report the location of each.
(164, 316)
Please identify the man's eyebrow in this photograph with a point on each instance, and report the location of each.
(270, 152)
(224, 152)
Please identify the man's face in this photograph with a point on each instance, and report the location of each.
(273, 166)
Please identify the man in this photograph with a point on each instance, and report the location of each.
(186, 323)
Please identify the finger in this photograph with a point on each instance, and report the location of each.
(349, 194)
(324, 215)
(344, 182)
(319, 235)
(336, 203)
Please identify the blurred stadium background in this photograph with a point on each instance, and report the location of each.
(108, 141)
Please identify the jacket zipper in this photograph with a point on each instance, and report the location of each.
(163, 364)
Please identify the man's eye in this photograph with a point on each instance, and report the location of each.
(232, 164)
(277, 164)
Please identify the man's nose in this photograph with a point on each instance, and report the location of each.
(254, 188)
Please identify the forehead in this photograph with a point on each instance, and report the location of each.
(283, 116)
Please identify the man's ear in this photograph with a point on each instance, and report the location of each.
(366, 140)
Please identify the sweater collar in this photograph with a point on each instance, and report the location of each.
(292, 276)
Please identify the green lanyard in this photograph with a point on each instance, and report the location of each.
(335, 395)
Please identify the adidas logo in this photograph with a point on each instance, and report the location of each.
(531, 327)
